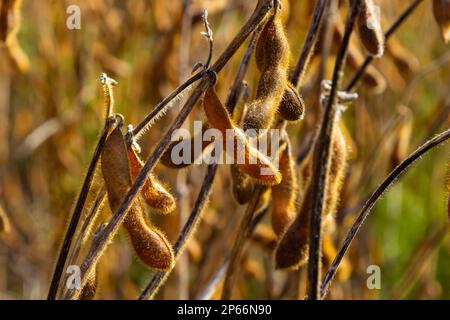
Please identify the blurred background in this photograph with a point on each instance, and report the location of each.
(51, 113)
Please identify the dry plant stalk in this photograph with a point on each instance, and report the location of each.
(129, 181)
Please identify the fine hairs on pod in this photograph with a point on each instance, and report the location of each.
(291, 107)
(255, 164)
(150, 245)
(284, 194)
(292, 250)
(369, 27)
(154, 193)
(272, 56)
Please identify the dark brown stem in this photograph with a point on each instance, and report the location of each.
(321, 157)
(64, 251)
(397, 23)
(160, 277)
(309, 44)
(206, 293)
(384, 186)
(238, 246)
(236, 86)
(161, 105)
(194, 218)
(118, 216)
(91, 260)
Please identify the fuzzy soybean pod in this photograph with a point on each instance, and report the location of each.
(255, 164)
(441, 11)
(369, 27)
(275, 55)
(150, 245)
(243, 186)
(292, 250)
(153, 192)
(292, 107)
(284, 194)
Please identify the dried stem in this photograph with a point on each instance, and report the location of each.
(208, 78)
(160, 277)
(119, 215)
(206, 293)
(376, 195)
(194, 218)
(309, 44)
(238, 246)
(236, 86)
(64, 251)
(397, 23)
(321, 159)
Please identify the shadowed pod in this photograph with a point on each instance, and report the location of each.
(292, 250)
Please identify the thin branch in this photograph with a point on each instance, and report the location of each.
(194, 218)
(238, 246)
(209, 77)
(64, 251)
(161, 105)
(160, 277)
(206, 293)
(309, 44)
(321, 159)
(118, 216)
(376, 195)
(236, 86)
(397, 23)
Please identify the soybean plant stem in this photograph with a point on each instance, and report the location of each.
(321, 159)
(91, 260)
(376, 195)
(238, 246)
(309, 44)
(64, 251)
